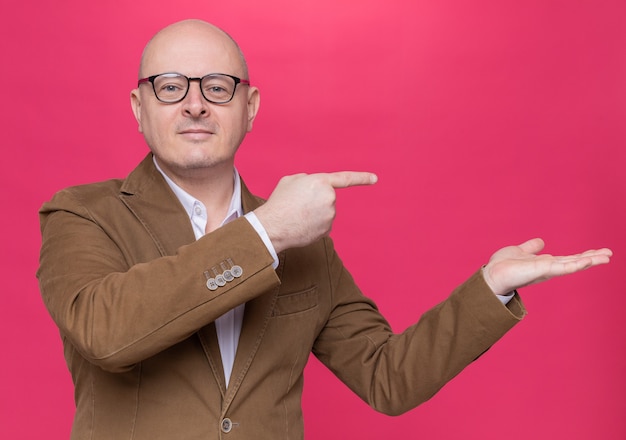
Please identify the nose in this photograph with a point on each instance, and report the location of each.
(194, 104)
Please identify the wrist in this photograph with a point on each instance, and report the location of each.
(486, 271)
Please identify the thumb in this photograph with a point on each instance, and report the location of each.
(532, 246)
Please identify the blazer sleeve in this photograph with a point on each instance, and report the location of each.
(117, 312)
(394, 373)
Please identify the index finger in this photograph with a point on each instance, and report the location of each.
(345, 179)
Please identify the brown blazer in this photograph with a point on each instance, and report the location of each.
(124, 280)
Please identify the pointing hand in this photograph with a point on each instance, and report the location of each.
(301, 209)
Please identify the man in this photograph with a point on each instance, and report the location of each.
(188, 307)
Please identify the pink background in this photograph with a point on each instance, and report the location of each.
(488, 122)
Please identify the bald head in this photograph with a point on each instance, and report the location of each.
(191, 39)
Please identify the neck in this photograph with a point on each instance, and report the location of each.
(213, 186)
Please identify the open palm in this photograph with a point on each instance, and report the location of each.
(513, 267)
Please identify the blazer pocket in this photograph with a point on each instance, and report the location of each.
(296, 302)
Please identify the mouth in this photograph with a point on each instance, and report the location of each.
(196, 133)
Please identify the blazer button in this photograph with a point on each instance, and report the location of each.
(236, 271)
(228, 275)
(220, 280)
(227, 425)
(211, 284)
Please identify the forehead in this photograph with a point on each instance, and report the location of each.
(192, 49)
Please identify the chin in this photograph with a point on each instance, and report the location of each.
(194, 159)
(204, 162)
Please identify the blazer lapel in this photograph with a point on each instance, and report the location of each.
(151, 200)
(210, 345)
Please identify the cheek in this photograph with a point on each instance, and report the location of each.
(153, 131)
(233, 125)
(155, 126)
(239, 130)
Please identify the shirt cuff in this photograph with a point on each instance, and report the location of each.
(504, 299)
(258, 227)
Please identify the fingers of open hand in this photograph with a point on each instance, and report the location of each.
(603, 255)
(567, 264)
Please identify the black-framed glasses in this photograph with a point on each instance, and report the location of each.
(217, 88)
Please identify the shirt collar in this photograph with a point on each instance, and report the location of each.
(189, 202)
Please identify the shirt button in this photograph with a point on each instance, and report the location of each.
(227, 425)
(198, 210)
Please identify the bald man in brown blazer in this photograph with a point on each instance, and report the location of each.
(188, 307)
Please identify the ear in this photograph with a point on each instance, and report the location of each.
(254, 100)
(135, 104)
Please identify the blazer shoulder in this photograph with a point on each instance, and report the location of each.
(87, 195)
(99, 195)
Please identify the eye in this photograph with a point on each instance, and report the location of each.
(170, 88)
(215, 89)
